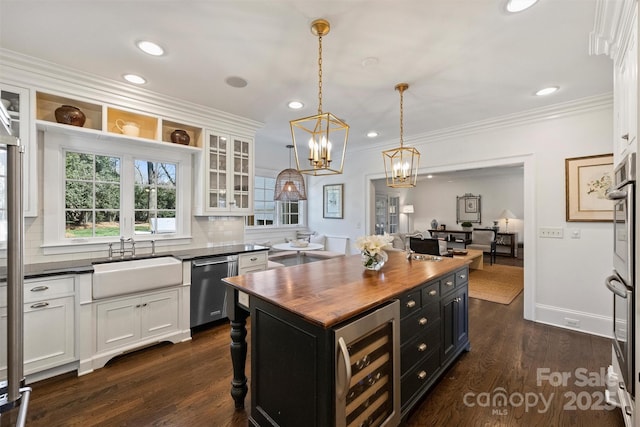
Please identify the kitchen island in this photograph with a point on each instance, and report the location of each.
(296, 311)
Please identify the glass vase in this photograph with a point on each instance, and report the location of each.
(374, 262)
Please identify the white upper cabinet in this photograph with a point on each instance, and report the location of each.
(19, 101)
(226, 175)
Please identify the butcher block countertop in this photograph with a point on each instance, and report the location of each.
(331, 291)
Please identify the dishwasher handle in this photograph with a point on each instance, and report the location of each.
(214, 261)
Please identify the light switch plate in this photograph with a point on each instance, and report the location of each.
(551, 232)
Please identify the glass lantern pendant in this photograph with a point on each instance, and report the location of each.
(319, 141)
(401, 163)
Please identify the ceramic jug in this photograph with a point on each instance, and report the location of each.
(128, 128)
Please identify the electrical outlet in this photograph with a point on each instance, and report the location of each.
(551, 232)
(574, 323)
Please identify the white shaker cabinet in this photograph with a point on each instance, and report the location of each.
(625, 95)
(131, 320)
(252, 261)
(49, 325)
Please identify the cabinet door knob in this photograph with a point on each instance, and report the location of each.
(411, 304)
(463, 276)
(457, 299)
(433, 292)
(422, 375)
(422, 347)
(448, 283)
(625, 136)
(422, 321)
(40, 305)
(39, 288)
(138, 306)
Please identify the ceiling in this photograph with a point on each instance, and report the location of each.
(465, 60)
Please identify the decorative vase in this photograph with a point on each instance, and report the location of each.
(70, 115)
(374, 261)
(180, 136)
(434, 224)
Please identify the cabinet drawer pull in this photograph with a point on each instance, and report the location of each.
(448, 283)
(40, 305)
(411, 304)
(433, 292)
(625, 136)
(138, 306)
(254, 258)
(463, 276)
(422, 321)
(422, 375)
(39, 288)
(422, 347)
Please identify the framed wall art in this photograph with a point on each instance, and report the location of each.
(332, 203)
(468, 208)
(587, 180)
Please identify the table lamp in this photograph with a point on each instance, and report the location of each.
(408, 209)
(507, 215)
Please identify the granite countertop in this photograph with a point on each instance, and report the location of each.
(86, 266)
(331, 291)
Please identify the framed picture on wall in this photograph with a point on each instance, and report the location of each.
(332, 201)
(587, 180)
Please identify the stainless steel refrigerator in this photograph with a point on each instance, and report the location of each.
(13, 393)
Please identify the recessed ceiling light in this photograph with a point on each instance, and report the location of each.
(295, 105)
(372, 134)
(429, 176)
(235, 81)
(547, 91)
(515, 6)
(150, 47)
(370, 61)
(134, 78)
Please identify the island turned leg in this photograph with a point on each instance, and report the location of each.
(238, 318)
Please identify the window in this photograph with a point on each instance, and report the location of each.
(91, 195)
(155, 197)
(96, 192)
(271, 213)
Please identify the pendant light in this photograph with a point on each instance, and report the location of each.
(319, 141)
(290, 184)
(401, 164)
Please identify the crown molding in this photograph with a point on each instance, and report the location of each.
(612, 27)
(23, 70)
(556, 111)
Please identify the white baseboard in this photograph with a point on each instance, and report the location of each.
(575, 320)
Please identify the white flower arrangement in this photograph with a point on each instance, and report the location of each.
(374, 244)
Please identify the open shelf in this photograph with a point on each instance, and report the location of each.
(46, 105)
(148, 125)
(195, 133)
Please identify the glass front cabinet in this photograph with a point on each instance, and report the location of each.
(17, 101)
(228, 169)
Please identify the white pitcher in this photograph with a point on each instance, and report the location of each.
(128, 128)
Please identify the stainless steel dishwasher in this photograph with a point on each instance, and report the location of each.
(208, 292)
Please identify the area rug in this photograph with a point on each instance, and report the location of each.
(496, 283)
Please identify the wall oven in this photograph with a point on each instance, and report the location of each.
(622, 285)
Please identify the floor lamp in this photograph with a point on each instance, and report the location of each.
(408, 209)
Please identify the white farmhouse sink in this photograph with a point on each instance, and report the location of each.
(124, 277)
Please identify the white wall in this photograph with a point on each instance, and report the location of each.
(563, 277)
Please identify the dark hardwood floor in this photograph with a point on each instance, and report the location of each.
(188, 384)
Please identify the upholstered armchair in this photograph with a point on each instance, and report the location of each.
(484, 239)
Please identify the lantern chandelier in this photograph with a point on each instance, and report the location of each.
(401, 164)
(290, 184)
(317, 139)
